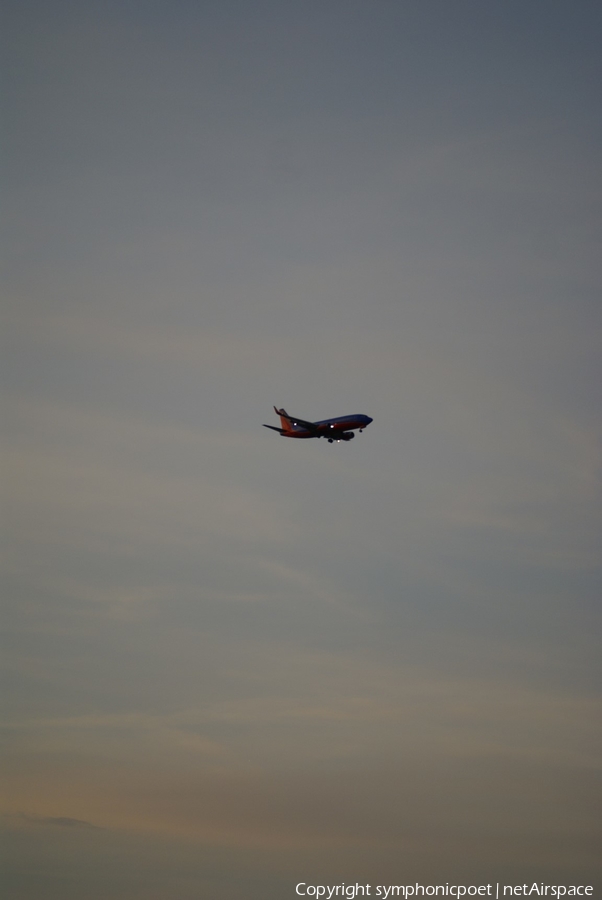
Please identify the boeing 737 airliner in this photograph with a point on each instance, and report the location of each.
(340, 429)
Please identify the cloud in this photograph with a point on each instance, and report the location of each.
(304, 705)
(483, 812)
(251, 661)
(66, 822)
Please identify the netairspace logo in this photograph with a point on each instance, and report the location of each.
(350, 891)
(548, 890)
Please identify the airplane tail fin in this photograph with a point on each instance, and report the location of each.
(285, 419)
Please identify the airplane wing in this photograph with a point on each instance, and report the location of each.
(310, 426)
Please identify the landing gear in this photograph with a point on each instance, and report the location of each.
(330, 440)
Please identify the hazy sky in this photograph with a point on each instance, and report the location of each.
(235, 662)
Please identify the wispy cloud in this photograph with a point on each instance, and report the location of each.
(235, 660)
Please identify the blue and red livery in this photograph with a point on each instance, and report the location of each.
(340, 429)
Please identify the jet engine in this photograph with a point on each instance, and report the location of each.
(343, 436)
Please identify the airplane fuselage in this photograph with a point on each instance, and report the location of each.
(330, 428)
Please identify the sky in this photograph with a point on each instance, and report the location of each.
(234, 663)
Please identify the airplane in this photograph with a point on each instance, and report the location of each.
(340, 429)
